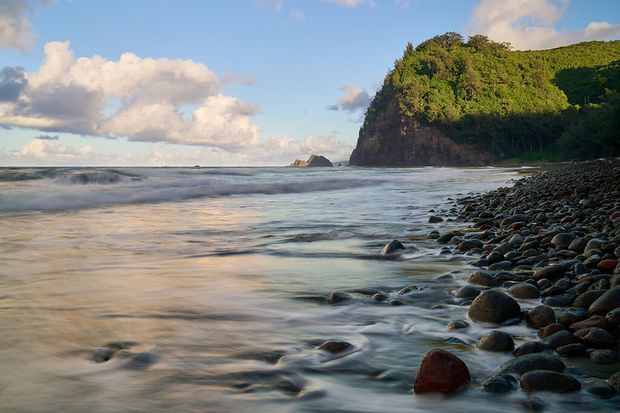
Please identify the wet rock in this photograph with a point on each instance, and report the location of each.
(607, 266)
(594, 321)
(562, 300)
(433, 235)
(606, 302)
(336, 297)
(563, 240)
(595, 337)
(466, 292)
(500, 384)
(441, 372)
(550, 272)
(614, 316)
(408, 290)
(395, 302)
(529, 362)
(534, 404)
(482, 278)
(493, 306)
(578, 244)
(550, 329)
(457, 325)
(587, 298)
(553, 381)
(109, 350)
(604, 357)
(524, 291)
(559, 339)
(335, 347)
(600, 389)
(572, 315)
(541, 316)
(497, 341)
(571, 350)
(469, 244)
(434, 219)
(529, 347)
(392, 247)
(614, 380)
(445, 238)
(595, 244)
(502, 265)
(379, 297)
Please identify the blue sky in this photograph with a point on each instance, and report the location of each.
(267, 73)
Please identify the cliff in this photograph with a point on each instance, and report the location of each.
(454, 103)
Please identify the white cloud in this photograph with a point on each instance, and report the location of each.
(529, 24)
(48, 150)
(15, 26)
(352, 4)
(284, 149)
(70, 94)
(354, 98)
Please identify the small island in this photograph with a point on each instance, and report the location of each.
(313, 162)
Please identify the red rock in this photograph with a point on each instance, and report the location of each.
(594, 321)
(607, 265)
(441, 372)
(550, 329)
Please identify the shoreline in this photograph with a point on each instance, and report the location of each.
(553, 238)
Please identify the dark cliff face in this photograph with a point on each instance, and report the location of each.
(401, 141)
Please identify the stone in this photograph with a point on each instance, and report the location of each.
(336, 297)
(529, 362)
(587, 298)
(614, 380)
(613, 316)
(563, 240)
(457, 325)
(466, 292)
(550, 329)
(497, 341)
(571, 350)
(502, 265)
(578, 244)
(493, 306)
(500, 384)
(595, 244)
(441, 372)
(335, 347)
(596, 337)
(604, 357)
(561, 300)
(434, 219)
(600, 389)
(541, 316)
(572, 315)
(594, 321)
(550, 272)
(534, 404)
(482, 278)
(545, 380)
(559, 338)
(391, 247)
(313, 162)
(607, 266)
(530, 347)
(470, 244)
(606, 302)
(524, 291)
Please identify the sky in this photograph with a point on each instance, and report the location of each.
(236, 82)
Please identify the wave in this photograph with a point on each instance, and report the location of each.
(136, 191)
(105, 177)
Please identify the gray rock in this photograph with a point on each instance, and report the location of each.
(469, 244)
(502, 265)
(530, 347)
(578, 244)
(614, 316)
(614, 380)
(559, 339)
(391, 247)
(571, 350)
(596, 337)
(571, 316)
(435, 219)
(500, 384)
(493, 306)
(595, 244)
(561, 300)
(529, 362)
(545, 380)
(563, 240)
(606, 302)
(497, 341)
(550, 272)
(466, 292)
(457, 325)
(524, 291)
(482, 278)
(600, 389)
(604, 356)
(336, 297)
(587, 298)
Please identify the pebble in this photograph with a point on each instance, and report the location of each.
(497, 341)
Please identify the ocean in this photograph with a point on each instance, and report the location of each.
(205, 290)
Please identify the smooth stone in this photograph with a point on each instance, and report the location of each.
(529, 362)
(493, 306)
(379, 297)
(587, 298)
(571, 350)
(534, 404)
(562, 300)
(545, 380)
(497, 341)
(335, 347)
(578, 244)
(541, 316)
(391, 247)
(457, 325)
(563, 240)
(572, 315)
(467, 292)
(467, 245)
(614, 316)
(529, 347)
(550, 329)
(604, 356)
(336, 297)
(614, 380)
(607, 266)
(600, 389)
(524, 291)
(502, 265)
(606, 302)
(596, 337)
(595, 244)
(395, 302)
(550, 272)
(500, 384)
(594, 321)
(559, 338)
(434, 219)
(441, 372)
(482, 278)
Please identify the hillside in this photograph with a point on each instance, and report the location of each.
(451, 102)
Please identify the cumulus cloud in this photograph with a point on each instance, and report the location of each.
(285, 149)
(354, 98)
(44, 149)
(529, 24)
(15, 27)
(70, 94)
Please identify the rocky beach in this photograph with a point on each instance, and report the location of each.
(552, 240)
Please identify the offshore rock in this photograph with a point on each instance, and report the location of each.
(441, 372)
(312, 162)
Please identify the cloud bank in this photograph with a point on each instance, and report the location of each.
(529, 24)
(354, 98)
(138, 98)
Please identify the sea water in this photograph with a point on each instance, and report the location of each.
(213, 282)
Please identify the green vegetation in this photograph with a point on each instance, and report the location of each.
(563, 101)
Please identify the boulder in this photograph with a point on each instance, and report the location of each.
(550, 272)
(493, 306)
(441, 372)
(498, 341)
(545, 380)
(606, 302)
(529, 362)
(391, 247)
(313, 161)
(596, 337)
(541, 316)
(524, 291)
(482, 278)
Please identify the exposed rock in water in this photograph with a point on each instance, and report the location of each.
(313, 161)
(545, 380)
(397, 140)
(494, 306)
(529, 362)
(391, 247)
(441, 372)
(335, 347)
